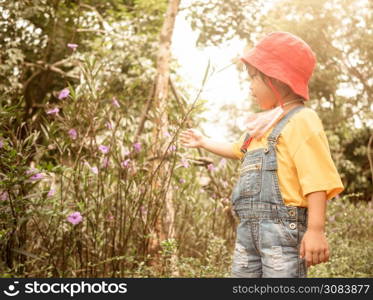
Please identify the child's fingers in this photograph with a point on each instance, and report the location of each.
(186, 133)
(321, 257)
(308, 258)
(185, 136)
(325, 255)
(315, 258)
(184, 142)
(190, 130)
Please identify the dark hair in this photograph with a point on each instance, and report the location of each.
(276, 82)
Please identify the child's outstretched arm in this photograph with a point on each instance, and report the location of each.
(314, 246)
(192, 138)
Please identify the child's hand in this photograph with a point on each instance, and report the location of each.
(314, 247)
(191, 138)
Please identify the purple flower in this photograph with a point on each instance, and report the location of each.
(143, 210)
(75, 218)
(103, 149)
(108, 125)
(37, 176)
(72, 46)
(172, 148)
(94, 170)
(137, 147)
(182, 180)
(126, 152)
(1, 144)
(185, 163)
(73, 134)
(222, 162)
(125, 163)
(64, 93)
(210, 167)
(31, 170)
(51, 192)
(115, 102)
(53, 111)
(4, 196)
(105, 162)
(167, 134)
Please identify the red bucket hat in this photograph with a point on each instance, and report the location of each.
(286, 57)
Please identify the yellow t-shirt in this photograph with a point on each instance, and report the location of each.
(304, 163)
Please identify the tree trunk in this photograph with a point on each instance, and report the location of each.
(164, 228)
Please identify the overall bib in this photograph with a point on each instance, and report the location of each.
(269, 233)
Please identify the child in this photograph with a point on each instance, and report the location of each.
(287, 173)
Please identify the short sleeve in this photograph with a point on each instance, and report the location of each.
(315, 166)
(236, 146)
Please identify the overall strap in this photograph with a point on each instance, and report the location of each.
(270, 151)
(276, 131)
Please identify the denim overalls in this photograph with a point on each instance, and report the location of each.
(269, 233)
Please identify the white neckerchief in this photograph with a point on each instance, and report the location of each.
(257, 124)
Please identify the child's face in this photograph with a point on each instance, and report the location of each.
(262, 93)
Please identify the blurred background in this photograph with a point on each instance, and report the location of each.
(93, 95)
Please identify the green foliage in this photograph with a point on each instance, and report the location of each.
(350, 149)
(221, 20)
(110, 195)
(151, 6)
(351, 244)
